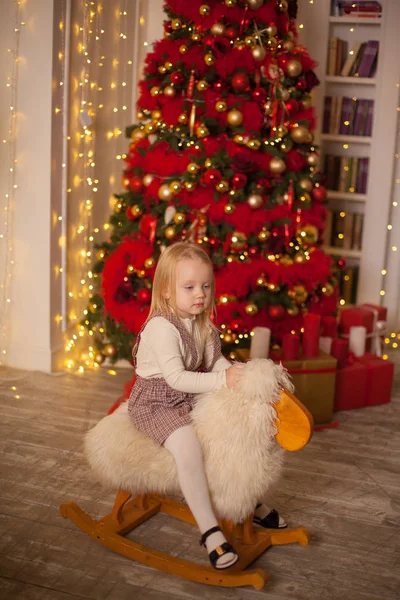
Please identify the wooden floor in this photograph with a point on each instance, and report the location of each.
(345, 487)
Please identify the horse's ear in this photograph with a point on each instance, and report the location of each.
(295, 424)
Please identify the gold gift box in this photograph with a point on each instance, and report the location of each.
(314, 380)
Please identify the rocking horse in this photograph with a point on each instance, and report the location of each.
(243, 432)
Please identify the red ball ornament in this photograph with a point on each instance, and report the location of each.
(176, 78)
(168, 27)
(144, 296)
(237, 325)
(218, 85)
(238, 181)
(319, 193)
(342, 263)
(276, 312)
(240, 82)
(136, 184)
(292, 106)
(301, 84)
(230, 33)
(253, 250)
(208, 40)
(212, 176)
(259, 94)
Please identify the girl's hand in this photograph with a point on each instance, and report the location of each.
(233, 375)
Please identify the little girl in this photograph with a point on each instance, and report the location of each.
(177, 340)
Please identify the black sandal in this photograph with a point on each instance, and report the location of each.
(219, 551)
(270, 521)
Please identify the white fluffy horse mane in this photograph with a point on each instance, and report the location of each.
(236, 429)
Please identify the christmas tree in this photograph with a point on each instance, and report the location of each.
(222, 155)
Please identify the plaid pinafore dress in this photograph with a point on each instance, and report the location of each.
(154, 407)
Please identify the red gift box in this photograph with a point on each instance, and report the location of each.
(380, 375)
(355, 317)
(351, 387)
(380, 310)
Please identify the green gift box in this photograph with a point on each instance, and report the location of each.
(314, 380)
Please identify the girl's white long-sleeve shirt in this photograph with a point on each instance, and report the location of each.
(162, 353)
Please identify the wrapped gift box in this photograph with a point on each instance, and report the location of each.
(357, 316)
(380, 375)
(314, 381)
(351, 387)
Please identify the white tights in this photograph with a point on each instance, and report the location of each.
(186, 450)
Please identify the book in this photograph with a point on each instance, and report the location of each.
(368, 59)
(355, 64)
(332, 49)
(354, 175)
(351, 58)
(362, 176)
(344, 168)
(360, 120)
(337, 118)
(328, 228)
(348, 231)
(327, 114)
(347, 109)
(357, 231)
(338, 229)
(369, 118)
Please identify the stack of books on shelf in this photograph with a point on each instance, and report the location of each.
(356, 8)
(346, 173)
(361, 61)
(348, 284)
(344, 230)
(348, 116)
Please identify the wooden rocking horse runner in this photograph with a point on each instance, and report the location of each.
(294, 428)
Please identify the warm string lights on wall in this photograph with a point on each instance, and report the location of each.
(91, 104)
(392, 244)
(6, 222)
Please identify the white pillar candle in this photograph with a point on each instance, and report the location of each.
(357, 340)
(260, 342)
(325, 344)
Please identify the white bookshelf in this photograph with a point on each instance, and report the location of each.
(317, 26)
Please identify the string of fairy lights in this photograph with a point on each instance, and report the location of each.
(6, 231)
(91, 49)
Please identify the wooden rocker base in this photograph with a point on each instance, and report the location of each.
(249, 541)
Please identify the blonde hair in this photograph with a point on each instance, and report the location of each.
(165, 280)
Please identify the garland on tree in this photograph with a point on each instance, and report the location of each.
(223, 155)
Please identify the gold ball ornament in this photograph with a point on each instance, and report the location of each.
(136, 211)
(175, 187)
(230, 3)
(119, 206)
(149, 263)
(306, 102)
(255, 201)
(147, 179)
(293, 311)
(168, 65)
(271, 30)
(161, 69)
(286, 260)
(255, 4)
(253, 144)
(176, 24)
(183, 49)
(155, 90)
(281, 131)
(149, 128)
(272, 287)
(221, 106)
(183, 118)
(208, 163)
(92, 307)
(202, 131)
(277, 166)
(140, 115)
(229, 209)
(263, 235)
(285, 94)
(138, 134)
(99, 358)
(261, 281)
(308, 234)
(179, 218)
(229, 338)
(239, 240)
(141, 274)
(130, 269)
(193, 168)
(250, 41)
(305, 185)
(156, 115)
(109, 350)
(189, 186)
(170, 232)
(202, 85)
(312, 159)
(328, 289)
(305, 197)
(209, 59)
(234, 117)
(299, 134)
(294, 68)
(218, 29)
(271, 43)
(251, 309)
(239, 139)
(288, 45)
(222, 187)
(268, 107)
(300, 257)
(196, 37)
(298, 293)
(259, 53)
(100, 255)
(169, 90)
(164, 192)
(204, 10)
(282, 6)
